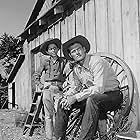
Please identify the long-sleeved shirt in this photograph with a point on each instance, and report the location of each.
(53, 70)
(96, 75)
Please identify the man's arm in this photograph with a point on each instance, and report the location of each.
(98, 71)
(72, 86)
(37, 75)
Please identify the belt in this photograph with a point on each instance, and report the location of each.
(113, 90)
(54, 83)
(47, 84)
(116, 89)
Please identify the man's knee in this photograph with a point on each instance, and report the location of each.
(91, 102)
(92, 99)
(47, 94)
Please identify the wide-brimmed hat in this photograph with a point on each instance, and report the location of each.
(78, 39)
(44, 46)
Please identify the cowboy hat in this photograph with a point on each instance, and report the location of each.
(44, 46)
(78, 39)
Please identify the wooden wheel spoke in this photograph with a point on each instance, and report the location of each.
(124, 88)
(123, 78)
(120, 72)
(116, 68)
(112, 62)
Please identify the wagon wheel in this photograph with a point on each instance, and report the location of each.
(116, 119)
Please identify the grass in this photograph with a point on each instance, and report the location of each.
(11, 127)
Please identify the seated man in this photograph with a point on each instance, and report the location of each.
(99, 93)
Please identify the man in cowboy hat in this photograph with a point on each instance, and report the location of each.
(52, 66)
(99, 94)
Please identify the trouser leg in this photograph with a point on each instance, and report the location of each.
(90, 120)
(48, 101)
(102, 127)
(62, 118)
(108, 105)
(96, 107)
(61, 121)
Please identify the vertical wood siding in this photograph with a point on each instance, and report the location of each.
(115, 28)
(71, 25)
(10, 95)
(110, 25)
(80, 21)
(101, 25)
(64, 30)
(23, 82)
(90, 25)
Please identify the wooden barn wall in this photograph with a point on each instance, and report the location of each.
(10, 95)
(110, 25)
(23, 82)
(47, 5)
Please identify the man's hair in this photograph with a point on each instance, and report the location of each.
(73, 44)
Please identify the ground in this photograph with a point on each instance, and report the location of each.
(9, 129)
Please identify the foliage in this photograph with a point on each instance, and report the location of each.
(9, 51)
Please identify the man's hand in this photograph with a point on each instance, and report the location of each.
(71, 99)
(41, 86)
(66, 102)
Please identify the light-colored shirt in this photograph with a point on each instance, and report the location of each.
(53, 70)
(96, 75)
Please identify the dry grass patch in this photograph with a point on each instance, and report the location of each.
(11, 126)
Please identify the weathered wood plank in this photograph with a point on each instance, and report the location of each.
(57, 34)
(64, 31)
(47, 5)
(131, 42)
(42, 39)
(10, 95)
(115, 28)
(131, 33)
(51, 32)
(80, 21)
(90, 31)
(71, 25)
(37, 41)
(57, 30)
(101, 25)
(33, 43)
(46, 35)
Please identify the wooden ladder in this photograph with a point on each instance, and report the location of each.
(36, 107)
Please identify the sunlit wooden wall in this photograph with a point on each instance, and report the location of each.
(110, 25)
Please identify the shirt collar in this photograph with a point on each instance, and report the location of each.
(86, 61)
(53, 61)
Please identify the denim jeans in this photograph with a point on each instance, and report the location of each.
(51, 95)
(94, 107)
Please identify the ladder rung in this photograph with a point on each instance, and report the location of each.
(35, 109)
(37, 125)
(28, 125)
(34, 103)
(38, 93)
(31, 114)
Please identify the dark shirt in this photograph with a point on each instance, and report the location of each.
(53, 70)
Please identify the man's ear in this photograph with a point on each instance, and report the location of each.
(70, 55)
(84, 49)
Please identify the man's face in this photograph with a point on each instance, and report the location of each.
(52, 49)
(77, 52)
